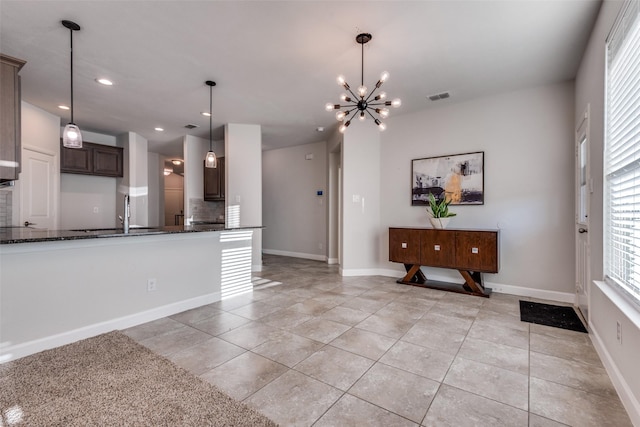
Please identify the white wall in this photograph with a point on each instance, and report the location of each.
(527, 139)
(155, 168)
(243, 195)
(135, 180)
(361, 199)
(619, 358)
(194, 150)
(82, 195)
(294, 216)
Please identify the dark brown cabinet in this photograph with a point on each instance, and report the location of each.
(471, 252)
(10, 145)
(214, 181)
(92, 159)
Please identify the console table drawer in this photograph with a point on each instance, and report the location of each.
(477, 251)
(404, 246)
(437, 249)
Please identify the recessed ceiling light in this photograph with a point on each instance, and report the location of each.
(160, 129)
(63, 107)
(204, 113)
(105, 82)
(320, 129)
(176, 162)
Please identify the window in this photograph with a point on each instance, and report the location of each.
(622, 153)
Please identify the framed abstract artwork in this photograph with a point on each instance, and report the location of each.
(458, 178)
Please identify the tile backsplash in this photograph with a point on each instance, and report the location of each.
(206, 211)
(6, 212)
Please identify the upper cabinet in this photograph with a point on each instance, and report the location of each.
(92, 159)
(214, 182)
(9, 117)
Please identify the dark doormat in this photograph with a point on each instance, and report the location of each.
(550, 315)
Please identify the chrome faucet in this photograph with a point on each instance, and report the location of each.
(127, 214)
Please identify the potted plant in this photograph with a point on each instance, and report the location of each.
(438, 212)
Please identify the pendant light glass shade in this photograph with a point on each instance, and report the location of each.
(210, 160)
(71, 136)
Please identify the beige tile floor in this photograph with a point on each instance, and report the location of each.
(324, 350)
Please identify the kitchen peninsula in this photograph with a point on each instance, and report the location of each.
(57, 287)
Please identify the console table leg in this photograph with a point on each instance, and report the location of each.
(473, 281)
(414, 274)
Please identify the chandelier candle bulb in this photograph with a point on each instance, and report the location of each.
(380, 96)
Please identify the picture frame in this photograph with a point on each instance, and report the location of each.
(457, 177)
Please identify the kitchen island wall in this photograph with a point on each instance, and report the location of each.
(57, 292)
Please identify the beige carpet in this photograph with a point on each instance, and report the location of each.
(110, 380)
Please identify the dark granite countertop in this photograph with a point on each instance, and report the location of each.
(11, 235)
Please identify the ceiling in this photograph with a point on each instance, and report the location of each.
(276, 62)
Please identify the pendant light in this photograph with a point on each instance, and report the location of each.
(210, 161)
(71, 136)
(363, 103)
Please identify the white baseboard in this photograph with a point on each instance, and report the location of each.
(332, 261)
(495, 287)
(629, 402)
(25, 349)
(361, 272)
(314, 257)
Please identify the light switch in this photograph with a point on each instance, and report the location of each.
(404, 245)
(474, 250)
(436, 247)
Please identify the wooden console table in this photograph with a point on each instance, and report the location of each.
(471, 252)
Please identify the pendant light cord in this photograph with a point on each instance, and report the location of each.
(362, 66)
(71, 32)
(210, 118)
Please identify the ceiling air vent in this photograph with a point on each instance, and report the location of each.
(191, 126)
(439, 96)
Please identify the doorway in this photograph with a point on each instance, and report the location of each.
(174, 193)
(39, 189)
(335, 207)
(583, 189)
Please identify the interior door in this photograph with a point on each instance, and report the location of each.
(584, 188)
(38, 189)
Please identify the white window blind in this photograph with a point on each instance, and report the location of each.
(622, 153)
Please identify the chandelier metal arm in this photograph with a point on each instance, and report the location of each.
(355, 111)
(372, 116)
(371, 94)
(347, 87)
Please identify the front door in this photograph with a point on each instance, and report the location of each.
(37, 186)
(583, 193)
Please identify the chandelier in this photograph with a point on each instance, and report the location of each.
(364, 103)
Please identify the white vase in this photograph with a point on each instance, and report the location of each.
(439, 222)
